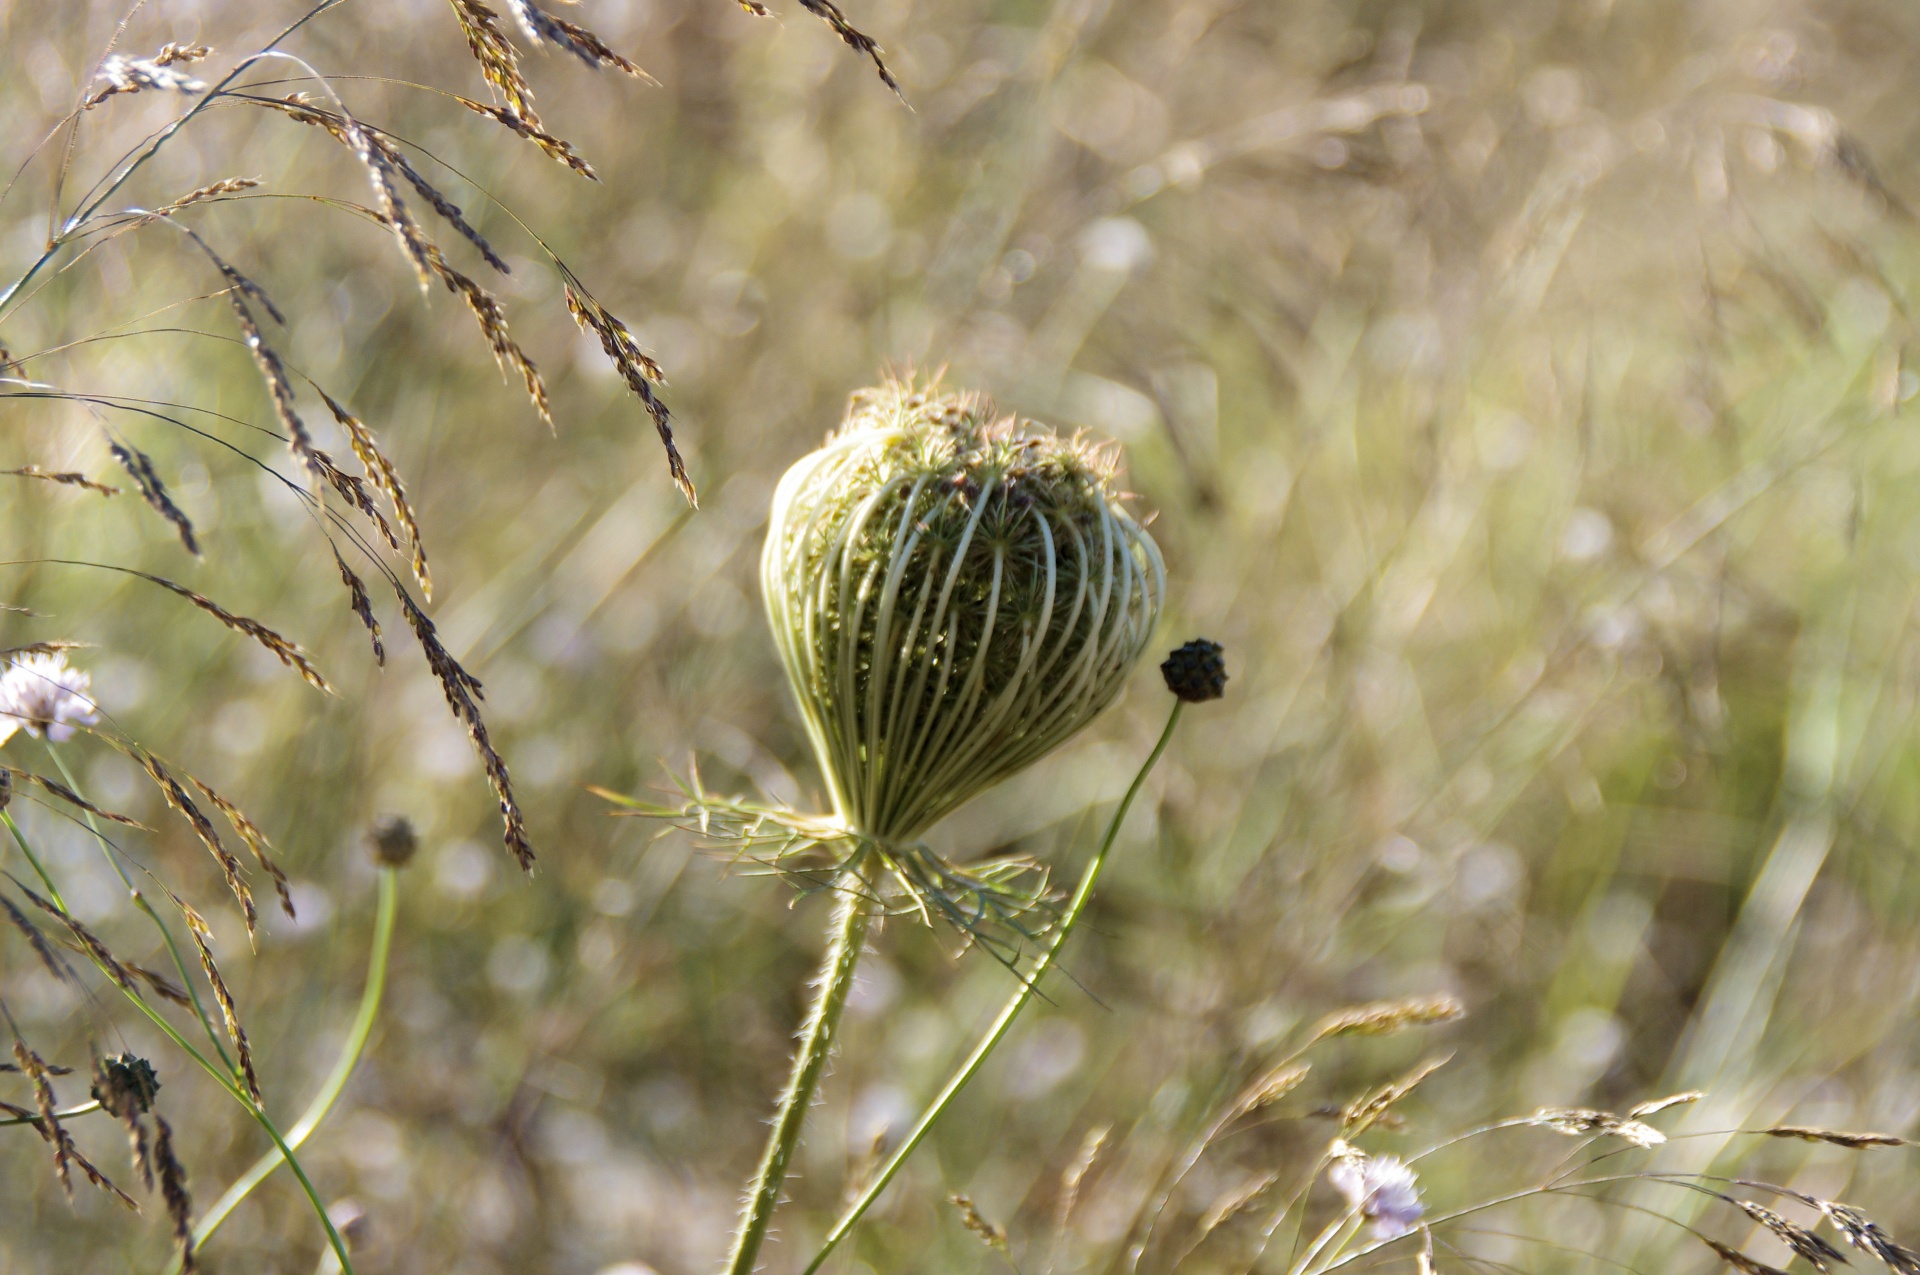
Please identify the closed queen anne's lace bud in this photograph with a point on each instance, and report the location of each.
(953, 595)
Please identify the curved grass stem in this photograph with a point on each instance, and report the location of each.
(852, 916)
(336, 1082)
(1015, 1003)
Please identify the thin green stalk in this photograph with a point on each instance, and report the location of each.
(852, 915)
(1075, 909)
(141, 902)
(68, 1114)
(222, 1076)
(336, 1082)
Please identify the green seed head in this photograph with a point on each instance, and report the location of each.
(953, 596)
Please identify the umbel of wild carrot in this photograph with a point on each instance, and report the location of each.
(954, 594)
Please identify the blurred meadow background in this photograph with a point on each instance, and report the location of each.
(1523, 394)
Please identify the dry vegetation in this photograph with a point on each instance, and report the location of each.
(1523, 393)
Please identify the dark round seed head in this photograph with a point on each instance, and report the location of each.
(393, 841)
(1196, 672)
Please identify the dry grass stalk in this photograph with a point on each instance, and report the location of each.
(1384, 1018)
(285, 651)
(138, 75)
(66, 479)
(544, 28)
(1270, 1087)
(1074, 1176)
(640, 372)
(1235, 1201)
(87, 940)
(461, 689)
(1839, 1138)
(362, 607)
(173, 1187)
(1367, 1110)
(992, 1236)
(69, 796)
(256, 842)
(40, 648)
(499, 60)
(492, 318)
(556, 147)
(1580, 1121)
(205, 194)
(37, 941)
(139, 467)
(49, 1124)
(1740, 1261)
(202, 941)
(1822, 1255)
(366, 449)
(209, 836)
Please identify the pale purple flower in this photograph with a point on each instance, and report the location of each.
(40, 693)
(1380, 1188)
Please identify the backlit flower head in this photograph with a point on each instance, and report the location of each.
(954, 594)
(40, 693)
(1381, 1188)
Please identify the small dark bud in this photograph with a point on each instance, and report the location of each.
(125, 1085)
(1196, 672)
(393, 841)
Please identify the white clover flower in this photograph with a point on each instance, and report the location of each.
(1381, 1188)
(40, 693)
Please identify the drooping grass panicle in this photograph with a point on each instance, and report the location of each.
(173, 1188)
(362, 606)
(287, 652)
(68, 795)
(492, 318)
(56, 1137)
(256, 842)
(499, 60)
(65, 478)
(1387, 1018)
(202, 935)
(85, 939)
(1583, 1121)
(636, 368)
(558, 148)
(208, 835)
(49, 959)
(139, 467)
(542, 27)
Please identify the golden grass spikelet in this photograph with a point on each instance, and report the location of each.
(35, 1068)
(69, 796)
(163, 987)
(202, 941)
(499, 60)
(1837, 1137)
(639, 371)
(992, 1236)
(366, 449)
(1235, 1201)
(66, 479)
(492, 318)
(362, 607)
(353, 490)
(139, 467)
(1579, 1121)
(1740, 1261)
(1803, 1242)
(829, 12)
(1661, 1104)
(1368, 1109)
(173, 1187)
(1385, 1018)
(204, 194)
(285, 651)
(37, 941)
(52, 647)
(209, 836)
(88, 941)
(545, 28)
(461, 689)
(1270, 1087)
(256, 842)
(558, 148)
(1867, 1235)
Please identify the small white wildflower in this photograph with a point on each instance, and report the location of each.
(39, 692)
(1381, 1188)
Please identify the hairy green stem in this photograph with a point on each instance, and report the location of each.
(336, 1082)
(1008, 1012)
(852, 915)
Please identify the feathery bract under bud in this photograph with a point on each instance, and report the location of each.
(953, 596)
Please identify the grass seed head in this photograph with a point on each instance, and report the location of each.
(954, 594)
